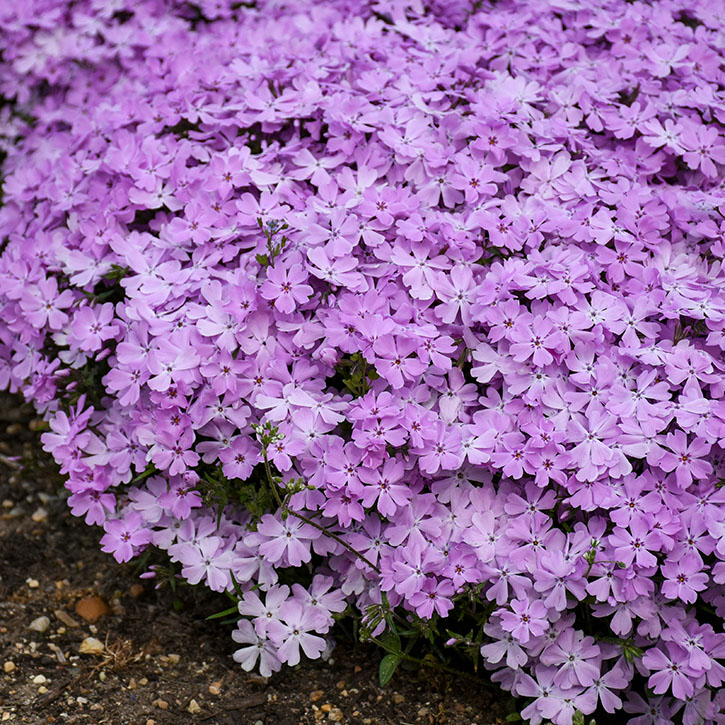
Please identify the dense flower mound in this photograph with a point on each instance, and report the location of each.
(415, 310)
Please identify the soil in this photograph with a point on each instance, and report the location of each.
(157, 660)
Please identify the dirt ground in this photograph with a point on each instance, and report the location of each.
(151, 658)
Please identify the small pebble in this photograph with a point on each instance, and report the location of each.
(174, 659)
(91, 646)
(335, 715)
(316, 695)
(161, 704)
(151, 721)
(9, 666)
(39, 679)
(58, 652)
(215, 688)
(102, 676)
(398, 698)
(64, 617)
(39, 515)
(326, 707)
(32, 583)
(92, 609)
(42, 690)
(194, 708)
(40, 624)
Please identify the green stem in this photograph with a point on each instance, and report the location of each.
(434, 664)
(307, 520)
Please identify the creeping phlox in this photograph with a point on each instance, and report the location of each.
(420, 304)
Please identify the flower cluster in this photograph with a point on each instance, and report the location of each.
(422, 302)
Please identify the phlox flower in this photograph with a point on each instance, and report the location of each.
(526, 619)
(684, 578)
(287, 540)
(92, 327)
(396, 362)
(239, 458)
(44, 304)
(285, 287)
(433, 597)
(207, 559)
(703, 148)
(256, 652)
(685, 459)
(504, 645)
(382, 487)
(634, 544)
(669, 670)
(292, 632)
(455, 292)
(124, 536)
(577, 658)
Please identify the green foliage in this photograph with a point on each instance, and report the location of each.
(275, 244)
(85, 380)
(181, 128)
(116, 273)
(150, 470)
(218, 492)
(356, 374)
(388, 665)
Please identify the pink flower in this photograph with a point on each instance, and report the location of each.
(703, 148)
(43, 304)
(434, 597)
(285, 541)
(124, 536)
(293, 631)
(527, 619)
(205, 559)
(685, 459)
(669, 671)
(684, 578)
(239, 458)
(92, 326)
(535, 341)
(455, 292)
(258, 651)
(285, 287)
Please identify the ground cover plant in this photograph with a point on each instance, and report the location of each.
(410, 312)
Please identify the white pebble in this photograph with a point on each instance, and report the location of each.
(40, 624)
